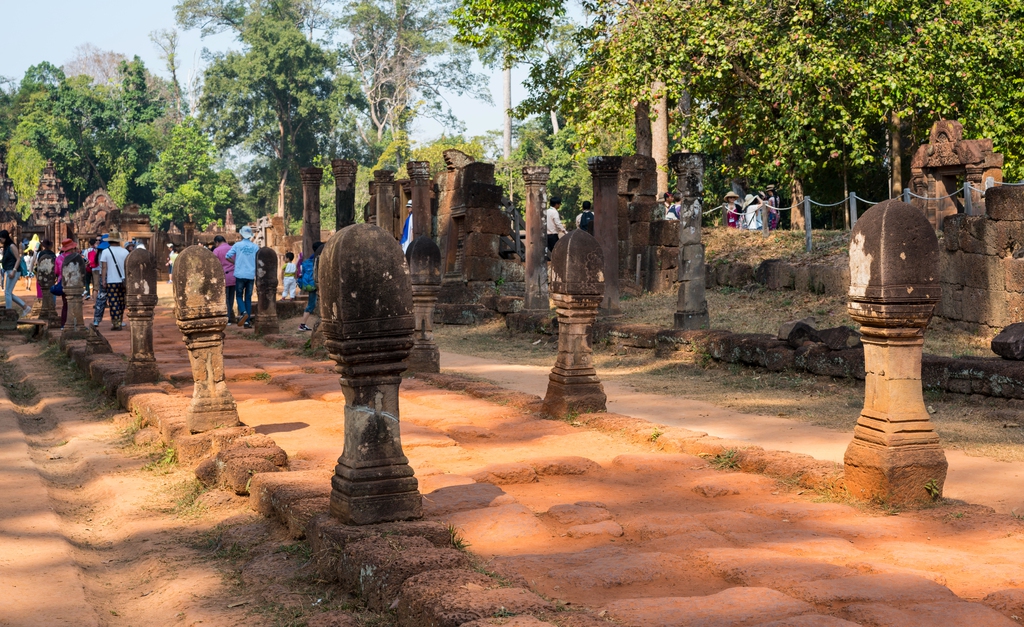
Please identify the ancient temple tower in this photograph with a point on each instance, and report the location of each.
(50, 207)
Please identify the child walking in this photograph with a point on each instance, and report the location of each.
(290, 283)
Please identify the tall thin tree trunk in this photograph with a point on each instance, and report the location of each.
(507, 83)
(282, 186)
(895, 157)
(554, 123)
(642, 123)
(796, 192)
(846, 194)
(659, 135)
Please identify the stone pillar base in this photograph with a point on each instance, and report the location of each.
(370, 502)
(206, 414)
(68, 334)
(424, 359)
(268, 327)
(583, 396)
(141, 372)
(896, 475)
(692, 321)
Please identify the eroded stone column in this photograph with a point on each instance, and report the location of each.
(692, 305)
(577, 286)
(311, 178)
(424, 258)
(73, 275)
(344, 171)
(140, 293)
(202, 315)
(368, 325)
(385, 184)
(266, 292)
(604, 171)
(536, 178)
(895, 456)
(419, 174)
(46, 274)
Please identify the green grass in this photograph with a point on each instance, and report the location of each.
(163, 462)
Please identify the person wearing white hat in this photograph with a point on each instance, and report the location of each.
(752, 213)
(407, 228)
(243, 255)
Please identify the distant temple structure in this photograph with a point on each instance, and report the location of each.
(49, 218)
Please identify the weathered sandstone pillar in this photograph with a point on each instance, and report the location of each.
(419, 174)
(536, 178)
(368, 326)
(344, 192)
(604, 171)
(311, 178)
(73, 275)
(424, 258)
(577, 285)
(202, 315)
(895, 456)
(385, 182)
(140, 271)
(266, 292)
(692, 306)
(46, 274)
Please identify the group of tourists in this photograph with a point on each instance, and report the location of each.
(747, 214)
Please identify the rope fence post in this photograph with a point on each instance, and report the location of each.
(764, 220)
(807, 221)
(968, 202)
(853, 210)
(906, 195)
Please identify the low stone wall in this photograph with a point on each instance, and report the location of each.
(775, 274)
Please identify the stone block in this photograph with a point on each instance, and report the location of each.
(799, 334)
(840, 338)
(951, 269)
(642, 211)
(1014, 307)
(736, 274)
(449, 598)
(733, 606)
(972, 238)
(623, 221)
(692, 262)
(459, 498)
(1003, 238)
(951, 232)
(775, 274)
(480, 195)
(640, 234)
(481, 245)
(667, 258)
(710, 275)
(481, 268)
(786, 328)
(577, 515)
(802, 278)
(691, 297)
(1005, 202)
(1009, 343)
(666, 233)
(504, 474)
(487, 221)
(1013, 274)
(951, 303)
(983, 272)
(562, 466)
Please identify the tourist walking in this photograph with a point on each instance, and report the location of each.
(586, 218)
(774, 201)
(220, 250)
(30, 267)
(553, 223)
(308, 283)
(170, 262)
(243, 254)
(100, 302)
(676, 207)
(67, 248)
(290, 280)
(10, 262)
(112, 274)
(88, 254)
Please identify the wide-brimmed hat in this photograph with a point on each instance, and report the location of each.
(749, 200)
(68, 244)
(731, 194)
(245, 232)
(114, 240)
(770, 188)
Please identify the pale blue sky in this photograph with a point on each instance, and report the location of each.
(51, 30)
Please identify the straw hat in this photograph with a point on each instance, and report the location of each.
(731, 194)
(114, 240)
(749, 200)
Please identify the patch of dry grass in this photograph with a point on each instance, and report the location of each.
(723, 244)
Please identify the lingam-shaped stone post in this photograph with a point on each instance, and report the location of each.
(604, 172)
(895, 455)
(419, 174)
(385, 185)
(344, 192)
(577, 286)
(311, 178)
(536, 270)
(73, 275)
(692, 305)
(140, 293)
(368, 325)
(266, 292)
(46, 274)
(202, 315)
(424, 258)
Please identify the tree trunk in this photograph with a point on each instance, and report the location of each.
(895, 157)
(796, 192)
(507, 83)
(554, 123)
(642, 116)
(685, 107)
(281, 188)
(659, 135)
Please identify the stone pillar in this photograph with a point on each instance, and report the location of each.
(368, 326)
(73, 275)
(424, 259)
(692, 306)
(419, 174)
(344, 192)
(604, 171)
(895, 456)
(536, 178)
(45, 308)
(266, 292)
(202, 315)
(577, 285)
(140, 289)
(311, 178)
(385, 183)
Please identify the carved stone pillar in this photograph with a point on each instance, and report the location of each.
(202, 315)
(385, 182)
(692, 306)
(266, 292)
(604, 172)
(895, 455)
(44, 309)
(577, 285)
(311, 178)
(73, 275)
(419, 174)
(368, 326)
(536, 178)
(344, 192)
(140, 292)
(424, 258)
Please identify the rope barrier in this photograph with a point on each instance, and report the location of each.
(835, 204)
(956, 193)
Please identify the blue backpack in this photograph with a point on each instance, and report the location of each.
(307, 282)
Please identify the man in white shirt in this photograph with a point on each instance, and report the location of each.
(112, 276)
(553, 223)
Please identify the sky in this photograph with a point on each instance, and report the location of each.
(53, 30)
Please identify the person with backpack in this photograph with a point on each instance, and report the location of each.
(243, 255)
(674, 209)
(88, 254)
(10, 263)
(220, 250)
(307, 283)
(587, 218)
(68, 248)
(100, 303)
(112, 275)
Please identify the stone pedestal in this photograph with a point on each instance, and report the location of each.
(202, 316)
(536, 178)
(368, 325)
(424, 258)
(895, 456)
(141, 298)
(344, 192)
(45, 308)
(73, 278)
(311, 178)
(419, 174)
(266, 292)
(577, 284)
(384, 181)
(692, 306)
(604, 172)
